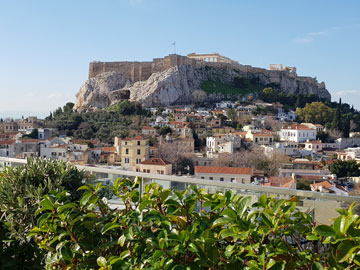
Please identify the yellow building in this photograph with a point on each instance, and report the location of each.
(133, 151)
(223, 130)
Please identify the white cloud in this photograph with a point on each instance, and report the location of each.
(343, 93)
(310, 37)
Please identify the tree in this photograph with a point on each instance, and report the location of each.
(231, 114)
(268, 94)
(68, 107)
(165, 130)
(21, 190)
(336, 120)
(345, 168)
(316, 113)
(34, 134)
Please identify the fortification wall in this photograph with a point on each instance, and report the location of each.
(141, 71)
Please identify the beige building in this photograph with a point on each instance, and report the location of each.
(133, 151)
(260, 138)
(155, 166)
(8, 126)
(226, 174)
(150, 131)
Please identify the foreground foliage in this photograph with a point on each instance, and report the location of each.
(191, 229)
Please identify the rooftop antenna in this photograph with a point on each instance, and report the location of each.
(174, 44)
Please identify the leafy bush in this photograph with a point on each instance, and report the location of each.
(21, 190)
(190, 229)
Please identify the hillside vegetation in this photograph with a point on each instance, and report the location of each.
(241, 86)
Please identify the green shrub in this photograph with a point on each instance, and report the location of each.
(21, 190)
(190, 229)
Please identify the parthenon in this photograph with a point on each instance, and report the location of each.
(280, 67)
(211, 57)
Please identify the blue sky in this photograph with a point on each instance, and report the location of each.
(46, 46)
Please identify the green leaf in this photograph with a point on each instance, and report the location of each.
(122, 240)
(229, 213)
(101, 261)
(277, 205)
(324, 230)
(345, 250)
(339, 224)
(85, 188)
(66, 253)
(229, 250)
(110, 226)
(263, 200)
(85, 198)
(220, 221)
(316, 266)
(193, 248)
(157, 254)
(66, 206)
(242, 205)
(124, 254)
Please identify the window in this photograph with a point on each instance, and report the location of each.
(211, 178)
(148, 171)
(202, 177)
(127, 160)
(138, 142)
(222, 179)
(232, 179)
(138, 151)
(125, 143)
(138, 160)
(126, 151)
(242, 180)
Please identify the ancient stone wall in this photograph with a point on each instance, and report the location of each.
(141, 71)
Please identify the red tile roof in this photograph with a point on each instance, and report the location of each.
(285, 182)
(139, 137)
(7, 142)
(222, 170)
(155, 161)
(298, 126)
(109, 149)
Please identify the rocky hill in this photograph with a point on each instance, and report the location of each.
(182, 84)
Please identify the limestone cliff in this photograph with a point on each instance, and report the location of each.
(100, 91)
(182, 85)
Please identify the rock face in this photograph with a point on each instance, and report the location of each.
(99, 92)
(182, 85)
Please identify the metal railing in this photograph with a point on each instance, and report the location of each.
(308, 200)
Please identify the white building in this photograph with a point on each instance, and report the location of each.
(282, 115)
(227, 143)
(226, 174)
(288, 148)
(297, 133)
